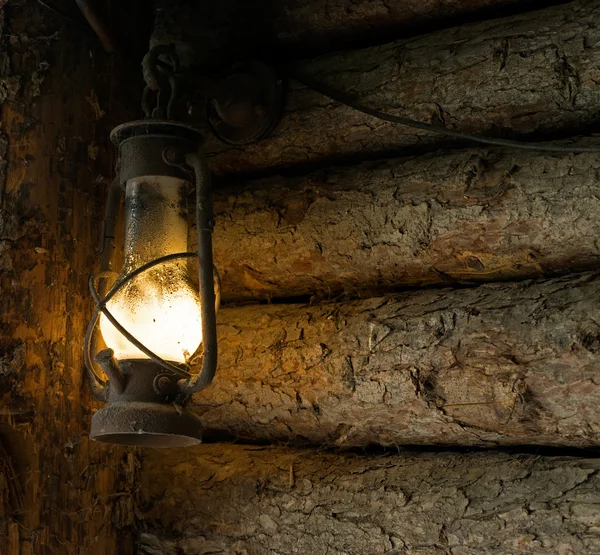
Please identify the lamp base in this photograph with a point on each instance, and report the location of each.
(144, 424)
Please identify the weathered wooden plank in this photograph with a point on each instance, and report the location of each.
(457, 217)
(499, 364)
(530, 74)
(60, 98)
(208, 34)
(257, 500)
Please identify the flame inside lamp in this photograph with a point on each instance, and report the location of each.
(160, 307)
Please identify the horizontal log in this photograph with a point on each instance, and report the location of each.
(530, 74)
(258, 500)
(499, 364)
(207, 34)
(462, 217)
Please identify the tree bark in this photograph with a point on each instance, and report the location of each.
(61, 96)
(209, 35)
(272, 500)
(529, 75)
(499, 364)
(453, 218)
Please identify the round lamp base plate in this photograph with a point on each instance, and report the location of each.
(146, 425)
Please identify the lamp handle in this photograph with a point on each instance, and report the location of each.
(204, 224)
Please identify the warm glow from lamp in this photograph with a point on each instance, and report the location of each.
(160, 307)
(165, 318)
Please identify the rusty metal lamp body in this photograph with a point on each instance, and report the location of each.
(150, 317)
(146, 392)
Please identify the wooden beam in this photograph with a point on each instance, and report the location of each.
(498, 364)
(458, 217)
(527, 75)
(255, 500)
(210, 34)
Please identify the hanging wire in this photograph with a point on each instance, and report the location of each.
(347, 100)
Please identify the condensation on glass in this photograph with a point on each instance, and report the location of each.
(161, 306)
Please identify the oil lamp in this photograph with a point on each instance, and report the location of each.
(149, 320)
(152, 319)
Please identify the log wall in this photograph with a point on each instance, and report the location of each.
(341, 210)
(211, 35)
(447, 218)
(235, 499)
(498, 364)
(530, 75)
